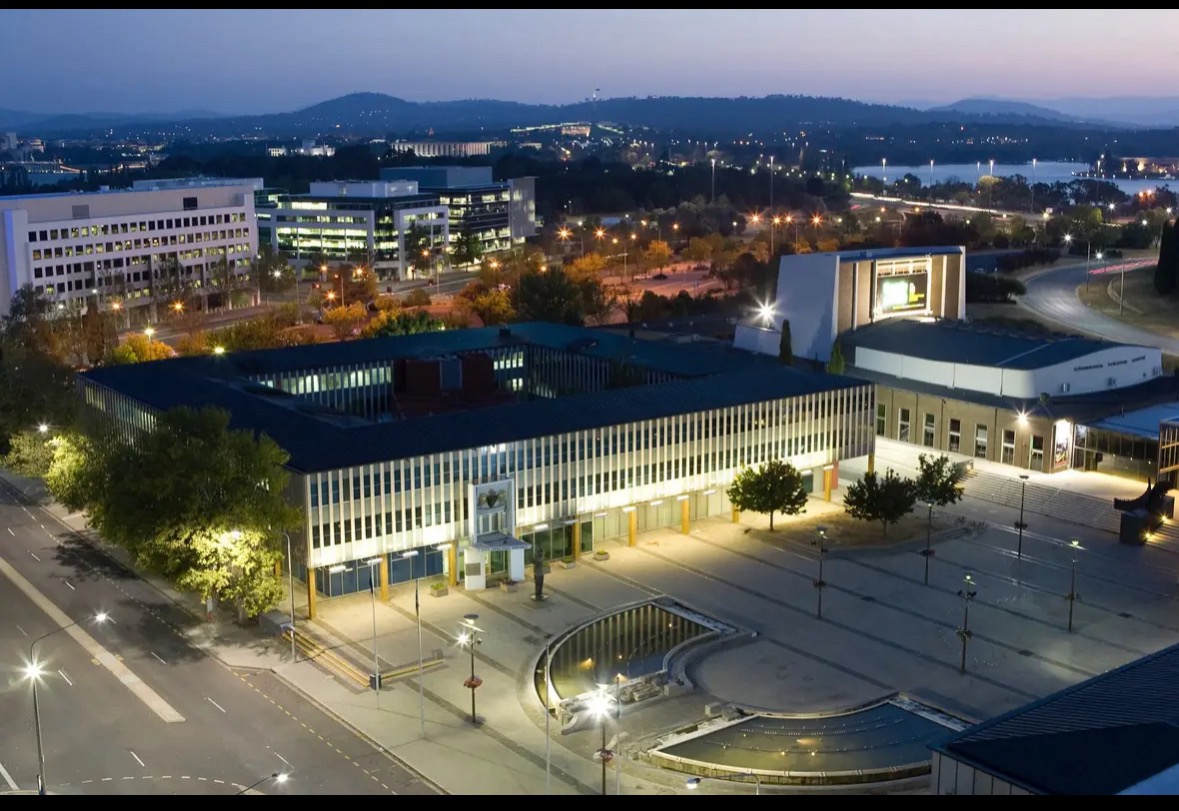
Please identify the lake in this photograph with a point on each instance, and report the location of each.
(1046, 172)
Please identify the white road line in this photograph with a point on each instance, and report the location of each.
(7, 778)
(35, 557)
(215, 704)
(64, 676)
(137, 760)
(71, 585)
(10, 532)
(283, 759)
(22, 630)
(148, 696)
(161, 661)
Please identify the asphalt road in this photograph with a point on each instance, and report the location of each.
(101, 738)
(1052, 294)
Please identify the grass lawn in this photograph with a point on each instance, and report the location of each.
(843, 531)
(1143, 307)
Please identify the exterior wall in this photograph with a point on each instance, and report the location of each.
(807, 298)
(444, 149)
(950, 776)
(73, 247)
(864, 293)
(762, 340)
(955, 287)
(845, 298)
(970, 417)
(522, 211)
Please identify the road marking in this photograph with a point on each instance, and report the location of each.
(35, 557)
(148, 696)
(10, 532)
(71, 585)
(64, 676)
(23, 631)
(215, 704)
(7, 778)
(137, 760)
(283, 759)
(158, 659)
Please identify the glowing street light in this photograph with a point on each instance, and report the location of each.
(766, 311)
(278, 777)
(1072, 596)
(218, 350)
(43, 428)
(149, 331)
(599, 706)
(469, 637)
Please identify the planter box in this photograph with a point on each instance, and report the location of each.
(567, 564)
(442, 592)
(504, 585)
(601, 555)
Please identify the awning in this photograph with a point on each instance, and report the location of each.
(498, 542)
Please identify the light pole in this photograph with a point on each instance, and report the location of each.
(820, 584)
(927, 552)
(372, 563)
(278, 777)
(713, 199)
(417, 610)
(694, 783)
(1032, 188)
(991, 185)
(931, 182)
(34, 671)
(1072, 595)
(291, 588)
(967, 593)
(548, 718)
(884, 171)
(599, 707)
(469, 636)
(1020, 525)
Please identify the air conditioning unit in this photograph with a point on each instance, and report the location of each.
(1064, 387)
(1111, 382)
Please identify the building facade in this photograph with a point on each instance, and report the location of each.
(110, 245)
(478, 448)
(446, 149)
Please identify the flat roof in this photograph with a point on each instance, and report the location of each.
(952, 341)
(1143, 422)
(1100, 737)
(898, 253)
(713, 375)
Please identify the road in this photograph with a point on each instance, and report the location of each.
(1052, 294)
(100, 737)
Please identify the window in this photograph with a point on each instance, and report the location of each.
(1036, 462)
(1008, 457)
(929, 434)
(190, 204)
(881, 419)
(903, 425)
(955, 436)
(980, 441)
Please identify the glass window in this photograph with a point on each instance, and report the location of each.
(929, 432)
(881, 418)
(955, 436)
(980, 441)
(1008, 457)
(1036, 462)
(903, 425)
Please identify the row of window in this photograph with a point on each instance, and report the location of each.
(117, 263)
(109, 229)
(91, 248)
(954, 437)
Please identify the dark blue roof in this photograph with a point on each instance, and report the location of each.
(319, 440)
(961, 342)
(1098, 737)
(897, 253)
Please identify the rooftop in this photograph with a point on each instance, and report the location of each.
(320, 439)
(896, 253)
(1103, 736)
(951, 341)
(1143, 422)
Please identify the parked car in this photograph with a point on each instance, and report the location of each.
(660, 276)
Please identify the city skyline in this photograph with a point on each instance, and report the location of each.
(258, 61)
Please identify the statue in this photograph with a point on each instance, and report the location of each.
(538, 573)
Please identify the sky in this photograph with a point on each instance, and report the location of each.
(260, 61)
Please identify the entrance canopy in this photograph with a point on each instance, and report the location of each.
(498, 542)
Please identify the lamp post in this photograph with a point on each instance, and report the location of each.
(548, 718)
(599, 707)
(991, 185)
(372, 563)
(820, 584)
(469, 636)
(713, 199)
(278, 777)
(928, 552)
(967, 593)
(1020, 525)
(417, 610)
(291, 588)
(694, 783)
(1072, 596)
(931, 182)
(34, 671)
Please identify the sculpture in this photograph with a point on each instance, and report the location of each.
(538, 572)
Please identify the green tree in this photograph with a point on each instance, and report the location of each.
(263, 332)
(30, 454)
(698, 250)
(837, 364)
(785, 347)
(418, 297)
(401, 322)
(938, 484)
(598, 304)
(1166, 272)
(137, 348)
(34, 390)
(491, 306)
(270, 272)
(548, 296)
(776, 486)
(886, 499)
(191, 499)
(468, 249)
(170, 285)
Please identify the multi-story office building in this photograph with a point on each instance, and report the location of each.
(75, 247)
(475, 448)
(499, 216)
(358, 221)
(446, 149)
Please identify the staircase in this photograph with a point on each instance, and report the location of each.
(1043, 499)
(1166, 536)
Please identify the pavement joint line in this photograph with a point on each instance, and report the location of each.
(120, 671)
(853, 593)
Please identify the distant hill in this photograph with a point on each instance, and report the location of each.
(51, 124)
(1142, 111)
(1003, 107)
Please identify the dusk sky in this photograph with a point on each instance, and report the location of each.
(271, 61)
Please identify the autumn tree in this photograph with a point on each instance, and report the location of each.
(138, 348)
(588, 267)
(656, 255)
(401, 322)
(345, 320)
(490, 305)
(776, 486)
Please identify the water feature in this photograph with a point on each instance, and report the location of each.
(1046, 172)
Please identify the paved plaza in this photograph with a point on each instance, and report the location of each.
(882, 631)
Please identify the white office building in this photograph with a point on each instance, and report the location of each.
(74, 247)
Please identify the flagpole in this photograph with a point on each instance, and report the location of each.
(417, 609)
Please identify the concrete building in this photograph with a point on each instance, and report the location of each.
(446, 149)
(476, 447)
(1113, 734)
(75, 248)
(497, 215)
(824, 294)
(358, 221)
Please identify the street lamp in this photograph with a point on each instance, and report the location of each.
(278, 777)
(149, 331)
(1020, 525)
(290, 576)
(713, 200)
(34, 671)
(469, 637)
(43, 428)
(694, 783)
(372, 563)
(599, 707)
(820, 584)
(928, 552)
(967, 593)
(417, 610)
(1072, 595)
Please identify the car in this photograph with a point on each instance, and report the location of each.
(660, 276)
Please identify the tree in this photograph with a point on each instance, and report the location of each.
(698, 250)
(417, 297)
(270, 272)
(836, 364)
(491, 306)
(345, 320)
(402, 322)
(468, 249)
(170, 285)
(1166, 272)
(656, 255)
(597, 303)
(586, 267)
(776, 486)
(938, 483)
(99, 334)
(548, 296)
(191, 500)
(34, 390)
(138, 348)
(30, 454)
(886, 499)
(785, 347)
